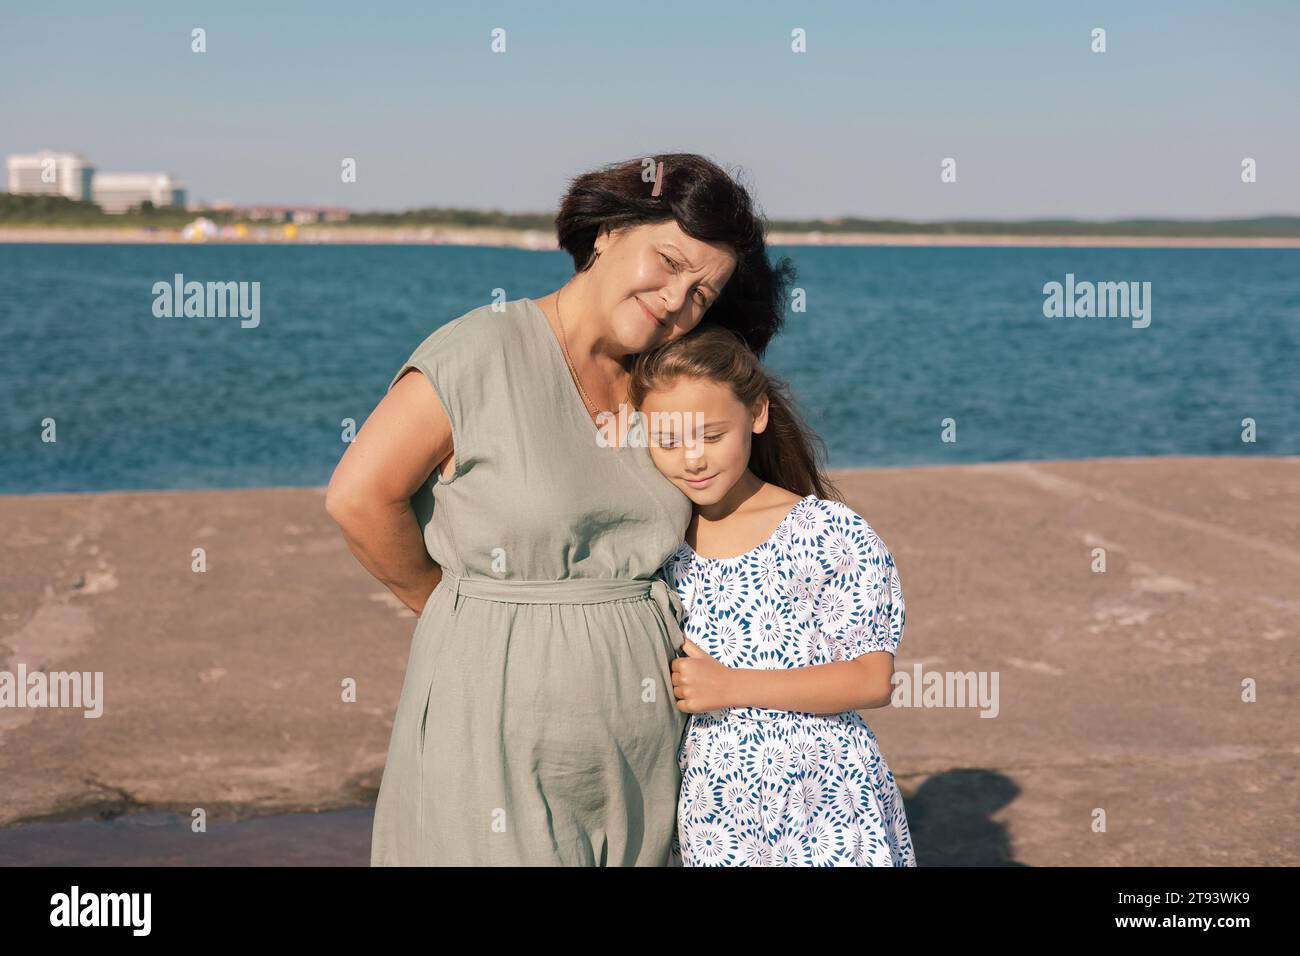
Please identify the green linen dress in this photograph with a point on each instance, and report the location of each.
(537, 724)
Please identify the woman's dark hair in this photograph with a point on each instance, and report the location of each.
(787, 453)
(708, 205)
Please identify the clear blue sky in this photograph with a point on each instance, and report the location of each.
(858, 125)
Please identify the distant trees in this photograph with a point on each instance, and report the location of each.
(47, 208)
(54, 210)
(50, 209)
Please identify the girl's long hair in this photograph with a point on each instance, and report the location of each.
(787, 453)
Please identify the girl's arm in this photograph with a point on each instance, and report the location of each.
(702, 684)
(859, 615)
(860, 684)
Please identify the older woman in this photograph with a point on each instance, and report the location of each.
(537, 723)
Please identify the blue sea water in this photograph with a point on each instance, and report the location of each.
(893, 342)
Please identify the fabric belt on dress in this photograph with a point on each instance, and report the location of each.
(573, 591)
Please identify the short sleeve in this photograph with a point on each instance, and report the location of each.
(860, 606)
(454, 359)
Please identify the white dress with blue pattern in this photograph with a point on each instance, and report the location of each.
(767, 787)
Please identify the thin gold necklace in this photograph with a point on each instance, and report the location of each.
(564, 342)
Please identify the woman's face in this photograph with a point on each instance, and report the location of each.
(700, 436)
(659, 268)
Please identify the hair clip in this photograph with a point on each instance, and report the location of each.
(659, 179)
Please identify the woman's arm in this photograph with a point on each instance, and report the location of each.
(405, 438)
(702, 683)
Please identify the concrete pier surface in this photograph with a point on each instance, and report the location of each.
(1144, 714)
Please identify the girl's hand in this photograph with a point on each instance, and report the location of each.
(701, 683)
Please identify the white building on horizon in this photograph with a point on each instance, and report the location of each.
(120, 192)
(50, 172)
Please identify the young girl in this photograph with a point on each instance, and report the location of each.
(794, 610)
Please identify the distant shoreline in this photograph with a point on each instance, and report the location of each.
(275, 234)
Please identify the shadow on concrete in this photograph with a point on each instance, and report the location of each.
(951, 819)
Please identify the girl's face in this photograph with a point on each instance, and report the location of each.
(660, 270)
(700, 436)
